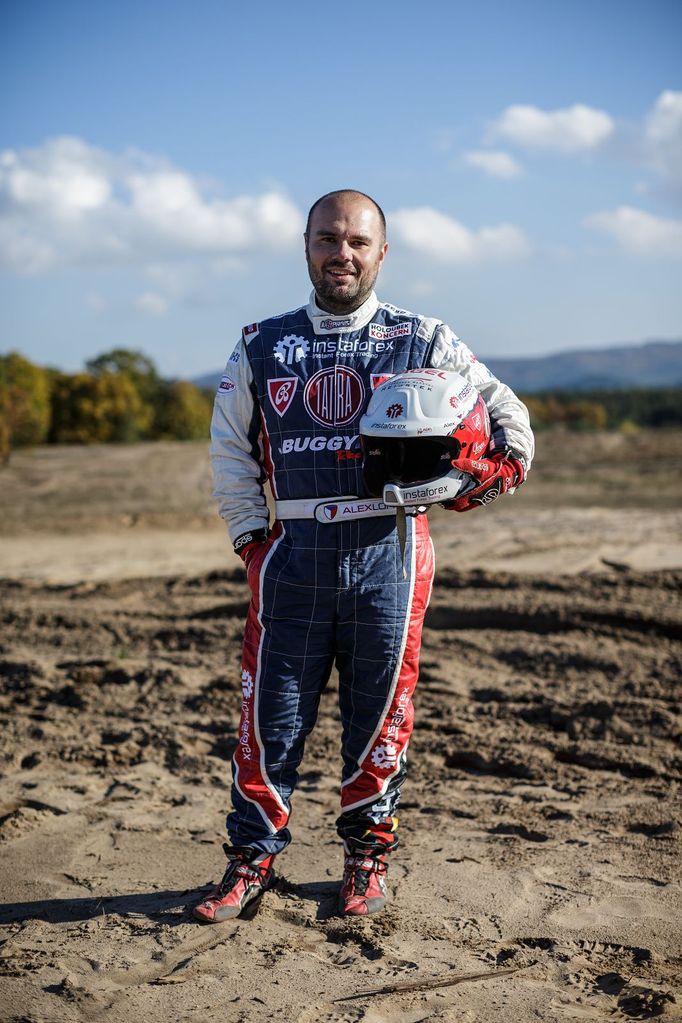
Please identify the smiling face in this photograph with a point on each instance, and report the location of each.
(345, 248)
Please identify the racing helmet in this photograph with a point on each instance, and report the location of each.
(416, 423)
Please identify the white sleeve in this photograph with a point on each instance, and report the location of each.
(236, 449)
(510, 420)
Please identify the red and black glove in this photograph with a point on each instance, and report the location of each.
(494, 476)
(247, 543)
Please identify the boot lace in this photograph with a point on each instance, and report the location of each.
(361, 871)
(239, 865)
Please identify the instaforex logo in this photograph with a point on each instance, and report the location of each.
(293, 348)
(290, 349)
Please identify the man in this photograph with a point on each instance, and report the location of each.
(331, 582)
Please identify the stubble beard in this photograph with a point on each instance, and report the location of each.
(342, 298)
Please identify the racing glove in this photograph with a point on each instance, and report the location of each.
(495, 475)
(247, 543)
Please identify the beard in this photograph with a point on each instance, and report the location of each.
(342, 298)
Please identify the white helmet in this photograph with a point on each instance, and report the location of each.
(416, 423)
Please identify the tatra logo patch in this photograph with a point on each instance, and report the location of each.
(281, 392)
(382, 331)
(334, 396)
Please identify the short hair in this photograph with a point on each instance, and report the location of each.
(350, 192)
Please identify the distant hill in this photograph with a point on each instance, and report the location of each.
(651, 364)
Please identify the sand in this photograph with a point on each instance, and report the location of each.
(540, 821)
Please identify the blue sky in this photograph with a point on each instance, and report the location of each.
(158, 158)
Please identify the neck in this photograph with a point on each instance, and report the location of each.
(338, 310)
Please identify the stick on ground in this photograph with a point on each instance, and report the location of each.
(431, 982)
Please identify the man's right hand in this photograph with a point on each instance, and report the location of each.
(248, 542)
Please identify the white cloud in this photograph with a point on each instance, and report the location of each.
(640, 232)
(70, 204)
(152, 303)
(422, 288)
(168, 204)
(569, 130)
(494, 162)
(96, 301)
(446, 240)
(663, 136)
(64, 180)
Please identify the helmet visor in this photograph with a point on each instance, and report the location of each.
(406, 461)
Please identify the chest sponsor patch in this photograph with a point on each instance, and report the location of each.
(341, 445)
(290, 349)
(384, 332)
(281, 393)
(330, 324)
(334, 396)
(293, 348)
(226, 385)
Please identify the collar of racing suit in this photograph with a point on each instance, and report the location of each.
(327, 323)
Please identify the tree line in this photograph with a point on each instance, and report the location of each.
(120, 397)
(607, 410)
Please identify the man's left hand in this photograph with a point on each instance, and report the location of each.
(494, 476)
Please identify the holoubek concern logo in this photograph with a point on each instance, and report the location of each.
(281, 392)
(334, 396)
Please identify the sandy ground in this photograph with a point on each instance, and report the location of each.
(540, 822)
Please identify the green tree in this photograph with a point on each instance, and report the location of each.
(142, 373)
(537, 409)
(184, 412)
(586, 415)
(25, 403)
(89, 409)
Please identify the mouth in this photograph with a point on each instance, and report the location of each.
(340, 275)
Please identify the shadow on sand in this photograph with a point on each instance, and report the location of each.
(169, 907)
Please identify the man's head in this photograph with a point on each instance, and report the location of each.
(345, 245)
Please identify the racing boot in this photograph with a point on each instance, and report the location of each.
(363, 890)
(247, 877)
(366, 845)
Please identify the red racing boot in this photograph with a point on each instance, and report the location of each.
(247, 877)
(363, 890)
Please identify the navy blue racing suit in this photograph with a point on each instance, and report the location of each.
(332, 584)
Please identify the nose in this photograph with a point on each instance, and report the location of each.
(343, 251)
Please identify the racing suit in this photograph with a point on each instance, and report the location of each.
(331, 583)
